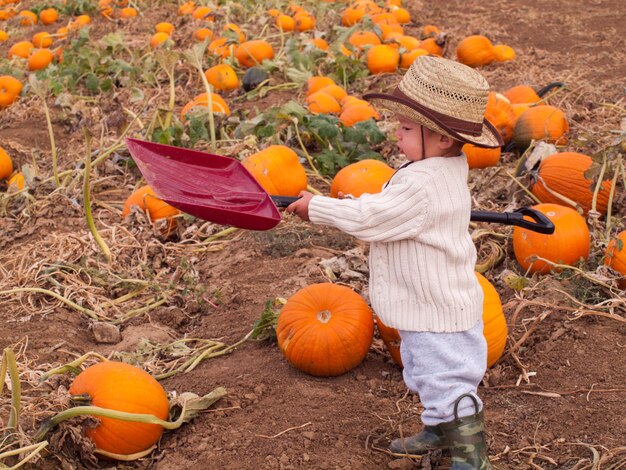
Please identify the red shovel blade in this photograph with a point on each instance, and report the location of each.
(211, 187)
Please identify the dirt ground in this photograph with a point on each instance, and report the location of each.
(557, 402)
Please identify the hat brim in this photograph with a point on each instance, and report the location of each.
(489, 137)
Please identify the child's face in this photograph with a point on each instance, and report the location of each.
(409, 138)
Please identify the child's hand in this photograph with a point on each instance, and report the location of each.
(301, 206)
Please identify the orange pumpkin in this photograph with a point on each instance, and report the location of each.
(222, 77)
(278, 170)
(351, 16)
(304, 21)
(335, 91)
(407, 59)
(382, 58)
(10, 89)
(146, 199)
(285, 23)
(357, 113)
(40, 59)
(316, 83)
(478, 157)
(17, 181)
(6, 164)
(564, 173)
(500, 113)
(365, 176)
(433, 45)
(569, 243)
(322, 102)
(251, 53)
(217, 103)
(615, 256)
(541, 122)
(48, 16)
(521, 94)
(475, 51)
(494, 326)
(122, 387)
(325, 329)
(362, 39)
(503, 52)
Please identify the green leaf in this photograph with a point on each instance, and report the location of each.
(92, 83)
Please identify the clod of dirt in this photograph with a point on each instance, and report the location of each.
(106, 333)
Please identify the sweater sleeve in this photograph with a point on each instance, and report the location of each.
(396, 213)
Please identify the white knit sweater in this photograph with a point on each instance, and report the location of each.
(421, 255)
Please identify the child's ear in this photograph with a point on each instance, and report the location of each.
(446, 142)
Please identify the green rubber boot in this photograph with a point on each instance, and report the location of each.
(429, 438)
(465, 438)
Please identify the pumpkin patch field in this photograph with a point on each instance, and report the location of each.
(136, 336)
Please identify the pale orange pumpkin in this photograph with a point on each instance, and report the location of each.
(222, 77)
(615, 256)
(278, 170)
(325, 329)
(407, 59)
(251, 53)
(17, 181)
(495, 328)
(363, 39)
(146, 199)
(503, 52)
(321, 102)
(316, 83)
(121, 387)
(521, 94)
(365, 176)
(475, 51)
(567, 245)
(217, 103)
(479, 157)
(564, 173)
(541, 122)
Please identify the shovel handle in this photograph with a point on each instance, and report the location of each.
(540, 222)
(284, 201)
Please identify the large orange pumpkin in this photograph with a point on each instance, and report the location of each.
(564, 173)
(251, 53)
(479, 157)
(541, 122)
(6, 164)
(325, 329)
(222, 77)
(122, 387)
(569, 243)
(356, 113)
(494, 326)
(278, 170)
(365, 176)
(615, 256)
(475, 51)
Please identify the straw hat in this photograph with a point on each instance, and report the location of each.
(445, 96)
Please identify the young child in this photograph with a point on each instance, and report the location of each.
(422, 258)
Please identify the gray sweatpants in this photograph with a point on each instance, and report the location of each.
(440, 367)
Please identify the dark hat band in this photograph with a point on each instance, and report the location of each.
(449, 123)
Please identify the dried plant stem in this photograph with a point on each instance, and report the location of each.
(139, 311)
(609, 208)
(574, 268)
(90, 313)
(220, 234)
(35, 448)
(87, 202)
(123, 457)
(599, 183)
(10, 365)
(531, 195)
(194, 56)
(306, 153)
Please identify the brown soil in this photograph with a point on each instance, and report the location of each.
(556, 403)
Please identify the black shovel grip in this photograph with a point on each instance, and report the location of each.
(284, 201)
(540, 222)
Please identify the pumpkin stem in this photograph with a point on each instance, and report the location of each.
(192, 405)
(72, 366)
(80, 400)
(323, 316)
